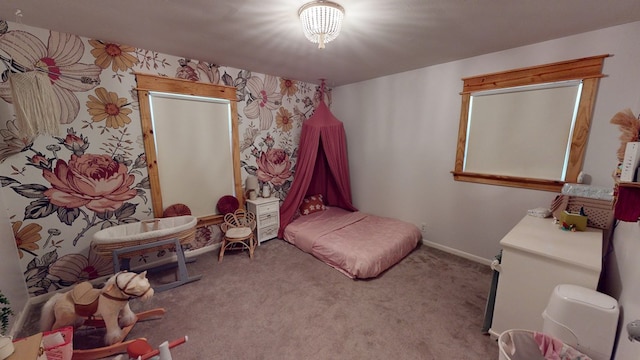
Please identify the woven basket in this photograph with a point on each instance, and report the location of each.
(599, 212)
(106, 249)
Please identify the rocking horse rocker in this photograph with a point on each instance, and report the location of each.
(107, 307)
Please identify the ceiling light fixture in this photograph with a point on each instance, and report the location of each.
(321, 21)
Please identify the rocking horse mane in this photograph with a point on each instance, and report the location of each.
(129, 284)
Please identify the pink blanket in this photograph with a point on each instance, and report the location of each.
(555, 349)
(357, 244)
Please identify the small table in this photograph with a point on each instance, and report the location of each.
(267, 212)
(28, 348)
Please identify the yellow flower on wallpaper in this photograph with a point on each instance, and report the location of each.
(27, 237)
(284, 120)
(109, 106)
(288, 87)
(113, 54)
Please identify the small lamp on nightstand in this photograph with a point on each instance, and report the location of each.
(252, 187)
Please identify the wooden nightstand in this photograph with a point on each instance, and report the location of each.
(267, 212)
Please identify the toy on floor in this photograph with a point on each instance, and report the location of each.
(111, 303)
(141, 350)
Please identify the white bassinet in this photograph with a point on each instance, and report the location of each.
(144, 232)
(130, 240)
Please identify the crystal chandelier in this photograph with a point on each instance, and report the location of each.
(321, 21)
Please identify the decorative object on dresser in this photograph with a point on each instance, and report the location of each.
(630, 161)
(267, 212)
(266, 191)
(627, 191)
(629, 127)
(596, 202)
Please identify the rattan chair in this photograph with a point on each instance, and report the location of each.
(237, 230)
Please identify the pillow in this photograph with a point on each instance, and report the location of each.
(312, 204)
(176, 210)
(227, 204)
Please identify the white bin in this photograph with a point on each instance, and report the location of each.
(519, 344)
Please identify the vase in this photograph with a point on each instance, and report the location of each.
(266, 191)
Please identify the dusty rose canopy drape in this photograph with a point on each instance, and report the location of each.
(322, 166)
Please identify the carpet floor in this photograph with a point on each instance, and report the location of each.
(285, 304)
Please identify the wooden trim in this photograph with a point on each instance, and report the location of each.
(210, 220)
(583, 68)
(147, 83)
(462, 133)
(581, 129)
(186, 87)
(150, 150)
(588, 69)
(512, 181)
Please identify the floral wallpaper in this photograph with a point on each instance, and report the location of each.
(60, 190)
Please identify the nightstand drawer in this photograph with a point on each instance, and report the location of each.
(268, 219)
(267, 208)
(269, 232)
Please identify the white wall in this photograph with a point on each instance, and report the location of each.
(402, 132)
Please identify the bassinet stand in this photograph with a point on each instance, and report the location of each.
(182, 276)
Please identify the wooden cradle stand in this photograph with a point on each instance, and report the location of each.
(154, 235)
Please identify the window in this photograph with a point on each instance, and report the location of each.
(527, 127)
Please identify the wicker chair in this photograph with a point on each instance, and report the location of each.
(237, 232)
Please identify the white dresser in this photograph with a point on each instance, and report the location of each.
(267, 212)
(536, 256)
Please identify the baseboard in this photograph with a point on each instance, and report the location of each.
(457, 252)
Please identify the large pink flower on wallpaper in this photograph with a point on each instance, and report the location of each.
(95, 181)
(60, 59)
(274, 166)
(267, 98)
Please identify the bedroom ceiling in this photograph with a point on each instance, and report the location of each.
(379, 37)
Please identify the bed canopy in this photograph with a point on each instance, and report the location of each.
(322, 166)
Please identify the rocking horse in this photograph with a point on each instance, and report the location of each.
(107, 307)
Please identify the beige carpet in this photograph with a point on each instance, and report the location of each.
(285, 304)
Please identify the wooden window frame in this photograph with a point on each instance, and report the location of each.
(588, 70)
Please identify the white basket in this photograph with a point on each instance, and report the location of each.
(506, 346)
(504, 343)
